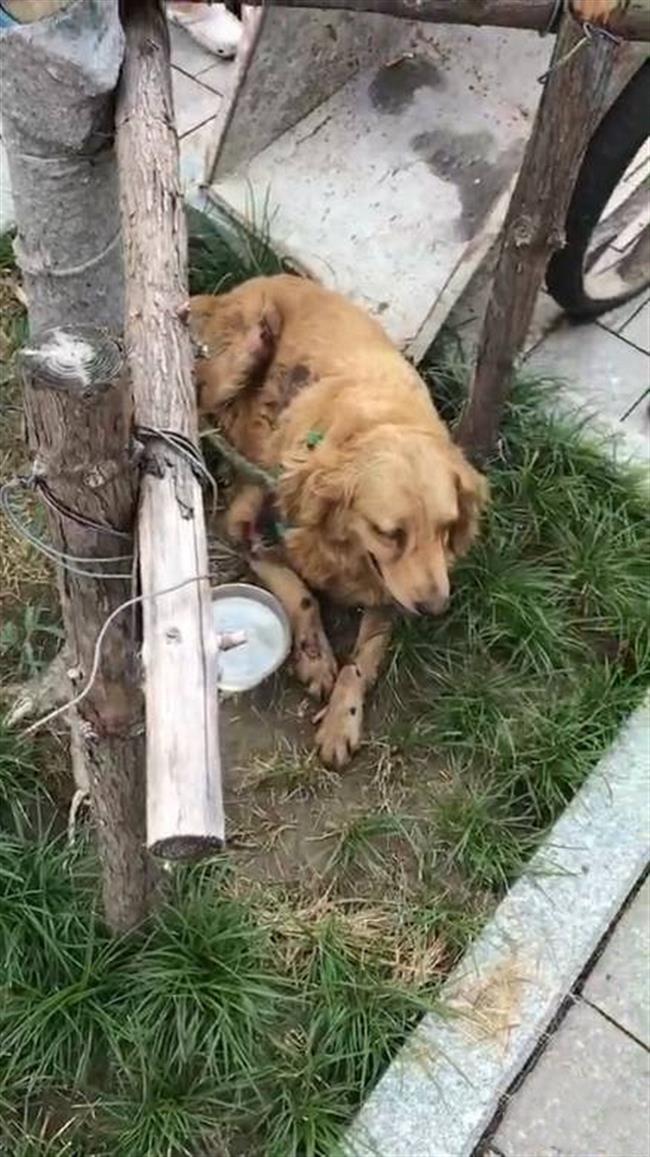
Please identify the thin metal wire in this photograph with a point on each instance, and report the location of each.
(554, 18)
(185, 448)
(86, 566)
(50, 499)
(62, 558)
(565, 59)
(591, 33)
(85, 690)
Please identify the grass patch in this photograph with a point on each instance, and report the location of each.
(222, 255)
(259, 1006)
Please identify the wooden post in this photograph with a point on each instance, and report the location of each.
(629, 19)
(79, 428)
(184, 803)
(58, 78)
(57, 127)
(571, 105)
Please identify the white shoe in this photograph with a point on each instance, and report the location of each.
(211, 26)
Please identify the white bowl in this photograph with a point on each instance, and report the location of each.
(242, 607)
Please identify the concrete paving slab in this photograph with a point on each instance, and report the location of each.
(440, 1093)
(637, 329)
(384, 193)
(547, 317)
(609, 375)
(619, 984)
(587, 1096)
(466, 316)
(288, 64)
(194, 149)
(616, 319)
(194, 104)
(220, 77)
(637, 422)
(186, 54)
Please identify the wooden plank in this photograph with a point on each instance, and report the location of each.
(571, 105)
(184, 800)
(629, 19)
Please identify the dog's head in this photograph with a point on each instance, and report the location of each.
(404, 496)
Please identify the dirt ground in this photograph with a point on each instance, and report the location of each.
(295, 822)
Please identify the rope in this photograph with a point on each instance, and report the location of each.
(239, 463)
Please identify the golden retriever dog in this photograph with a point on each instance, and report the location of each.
(374, 500)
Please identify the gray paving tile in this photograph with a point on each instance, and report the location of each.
(466, 317)
(637, 329)
(193, 152)
(547, 317)
(607, 375)
(617, 318)
(193, 103)
(637, 422)
(620, 982)
(587, 1096)
(186, 54)
(220, 77)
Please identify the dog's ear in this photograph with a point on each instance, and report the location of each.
(317, 486)
(233, 351)
(473, 496)
(252, 353)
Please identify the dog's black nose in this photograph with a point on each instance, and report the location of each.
(435, 607)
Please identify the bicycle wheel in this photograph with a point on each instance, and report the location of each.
(606, 256)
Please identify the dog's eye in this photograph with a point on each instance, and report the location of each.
(391, 534)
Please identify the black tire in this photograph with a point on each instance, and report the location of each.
(615, 143)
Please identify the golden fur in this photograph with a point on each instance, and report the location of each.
(377, 500)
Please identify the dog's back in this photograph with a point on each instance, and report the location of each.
(287, 349)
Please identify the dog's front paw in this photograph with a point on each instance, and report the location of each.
(314, 663)
(341, 722)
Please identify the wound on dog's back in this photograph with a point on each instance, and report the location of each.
(291, 381)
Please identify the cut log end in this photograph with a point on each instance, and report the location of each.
(186, 848)
(73, 359)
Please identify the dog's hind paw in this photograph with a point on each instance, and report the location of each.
(315, 664)
(341, 722)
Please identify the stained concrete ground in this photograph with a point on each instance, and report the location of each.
(588, 1093)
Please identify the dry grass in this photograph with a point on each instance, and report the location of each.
(25, 576)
